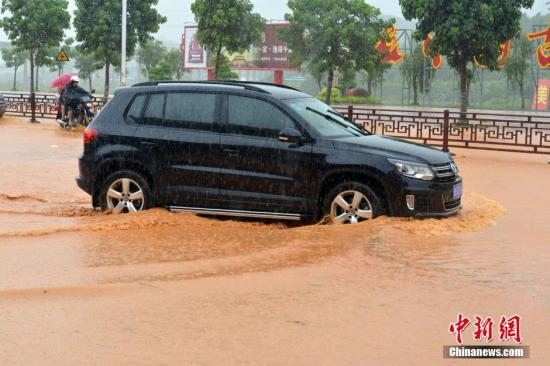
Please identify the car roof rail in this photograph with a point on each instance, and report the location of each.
(206, 82)
(263, 83)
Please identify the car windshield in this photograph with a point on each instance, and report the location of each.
(323, 118)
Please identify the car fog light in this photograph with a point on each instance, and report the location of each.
(410, 201)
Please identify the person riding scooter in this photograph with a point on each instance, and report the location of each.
(71, 97)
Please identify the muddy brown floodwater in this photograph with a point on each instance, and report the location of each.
(81, 287)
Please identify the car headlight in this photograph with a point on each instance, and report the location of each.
(412, 170)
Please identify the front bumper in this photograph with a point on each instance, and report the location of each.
(431, 198)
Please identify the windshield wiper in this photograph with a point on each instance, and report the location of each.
(352, 124)
(331, 119)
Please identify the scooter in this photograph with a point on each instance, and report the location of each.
(82, 115)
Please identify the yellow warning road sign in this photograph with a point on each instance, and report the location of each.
(62, 56)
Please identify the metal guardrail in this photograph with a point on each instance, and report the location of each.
(525, 133)
(472, 130)
(19, 104)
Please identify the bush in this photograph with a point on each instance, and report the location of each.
(163, 71)
(358, 92)
(337, 98)
(335, 93)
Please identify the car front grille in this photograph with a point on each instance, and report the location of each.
(444, 172)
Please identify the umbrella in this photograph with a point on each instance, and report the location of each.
(62, 81)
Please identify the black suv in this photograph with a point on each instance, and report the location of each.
(255, 150)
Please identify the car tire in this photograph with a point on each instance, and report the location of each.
(351, 203)
(125, 191)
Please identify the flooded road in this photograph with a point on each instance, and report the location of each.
(81, 287)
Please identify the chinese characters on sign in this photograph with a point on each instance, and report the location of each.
(390, 47)
(543, 50)
(504, 53)
(540, 95)
(273, 52)
(508, 328)
(437, 60)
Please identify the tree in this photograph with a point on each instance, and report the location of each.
(86, 65)
(417, 72)
(347, 80)
(150, 54)
(226, 24)
(517, 65)
(374, 75)
(225, 72)
(466, 29)
(45, 56)
(34, 25)
(14, 58)
(174, 58)
(334, 35)
(163, 71)
(98, 25)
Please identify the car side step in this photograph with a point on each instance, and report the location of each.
(237, 213)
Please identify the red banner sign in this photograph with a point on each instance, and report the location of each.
(540, 95)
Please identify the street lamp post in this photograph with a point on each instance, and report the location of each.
(123, 50)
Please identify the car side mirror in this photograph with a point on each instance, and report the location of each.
(291, 135)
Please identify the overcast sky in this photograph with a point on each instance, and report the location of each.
(178, 13)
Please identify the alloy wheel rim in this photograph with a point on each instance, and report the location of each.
(351, 207)
(125, 195)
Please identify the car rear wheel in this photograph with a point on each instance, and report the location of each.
(124, 192)
(352, 203)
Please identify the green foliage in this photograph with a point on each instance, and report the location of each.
(98, 25)
(347, 80)
(163, 71)
(86, 65)
(465, 29)
(518, 63)
(150, 54)
(418, 73)
(225, 72)
(334, 35)
(174, 58)
(14, 58)
(337, 98)
(35, 25)
(227, 24)
(334, 93)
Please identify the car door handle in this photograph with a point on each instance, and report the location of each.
(231, 152)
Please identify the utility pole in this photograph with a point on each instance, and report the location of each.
(123, 51)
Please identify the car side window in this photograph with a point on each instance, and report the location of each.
(190, 110)
(249, 116)
(154, 112)
(136, 109)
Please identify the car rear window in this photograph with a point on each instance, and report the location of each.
(154, 112)
(136, 109)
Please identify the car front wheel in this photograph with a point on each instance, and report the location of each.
(352, 203)
(125, 191)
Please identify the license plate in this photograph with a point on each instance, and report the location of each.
(457, 191)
